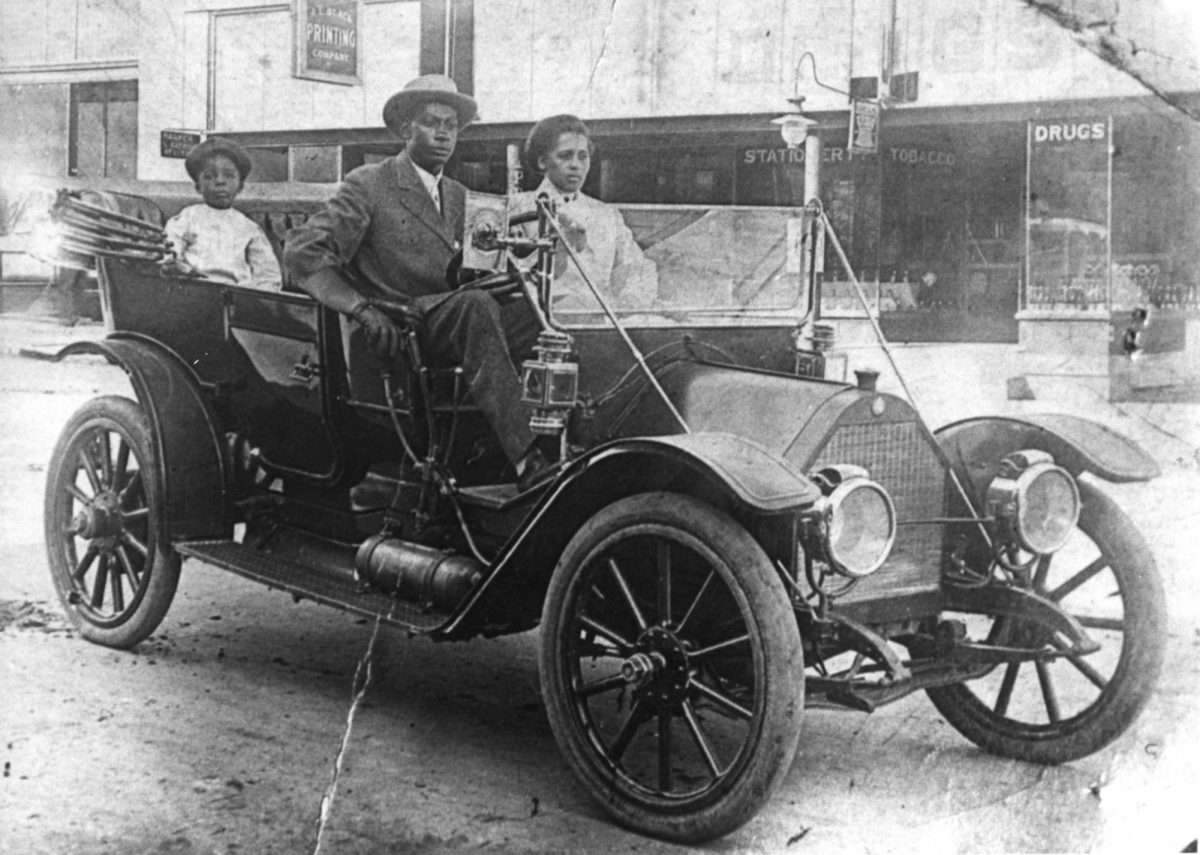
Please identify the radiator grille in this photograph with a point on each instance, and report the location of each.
(901, 457)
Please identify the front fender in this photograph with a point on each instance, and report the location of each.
(976, 446)
(728, 471)
(188, 443)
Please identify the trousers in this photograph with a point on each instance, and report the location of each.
(489, 339)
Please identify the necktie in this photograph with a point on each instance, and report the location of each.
(436, 194)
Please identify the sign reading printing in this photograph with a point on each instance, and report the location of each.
(327, 40)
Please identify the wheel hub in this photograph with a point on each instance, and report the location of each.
(659, 667)
(101, 518)
(1029, 635)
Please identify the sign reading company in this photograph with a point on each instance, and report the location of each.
(326, 40)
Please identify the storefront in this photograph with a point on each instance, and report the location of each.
(943, 224)
(934, 223)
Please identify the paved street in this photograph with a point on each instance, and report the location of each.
(219, 733)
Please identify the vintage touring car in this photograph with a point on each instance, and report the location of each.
(729, 539)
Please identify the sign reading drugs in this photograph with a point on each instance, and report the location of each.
(1086, 131)
(326, 40)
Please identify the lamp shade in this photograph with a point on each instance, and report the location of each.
(794, 127)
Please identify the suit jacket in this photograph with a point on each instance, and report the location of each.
(382, 231)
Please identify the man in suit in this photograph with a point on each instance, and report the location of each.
(390, 231)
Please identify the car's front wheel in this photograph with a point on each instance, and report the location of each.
(112, 568)
(1056, 710)
(671, 667)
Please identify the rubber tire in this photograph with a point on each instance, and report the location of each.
(1132, 681)
(740, 561)
(160, 579)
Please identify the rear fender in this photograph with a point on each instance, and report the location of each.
(976, 446)
(728, 471)
(190, 467)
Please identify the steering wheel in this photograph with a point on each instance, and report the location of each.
(498, 284)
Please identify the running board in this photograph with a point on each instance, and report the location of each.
(309, 568)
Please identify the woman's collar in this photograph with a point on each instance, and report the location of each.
(556, 195)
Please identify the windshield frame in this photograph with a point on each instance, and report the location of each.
(790, 312)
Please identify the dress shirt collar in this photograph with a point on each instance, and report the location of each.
(430, 180)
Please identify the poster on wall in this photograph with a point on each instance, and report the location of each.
(177, 143)
(864, 127)
(326, 40)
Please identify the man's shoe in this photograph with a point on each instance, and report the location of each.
(536, 469)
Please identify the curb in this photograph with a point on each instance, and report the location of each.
(37, 336)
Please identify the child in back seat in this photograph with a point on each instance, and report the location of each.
(213, 240)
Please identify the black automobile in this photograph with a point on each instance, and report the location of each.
(728, 539)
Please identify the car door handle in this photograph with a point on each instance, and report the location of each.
(305, 370)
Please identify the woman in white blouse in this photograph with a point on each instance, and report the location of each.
(559, 148)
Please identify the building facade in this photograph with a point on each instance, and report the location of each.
(963, 221)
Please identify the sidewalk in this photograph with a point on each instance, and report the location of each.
(34, 335)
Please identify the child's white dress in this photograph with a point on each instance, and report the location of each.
(226, 245)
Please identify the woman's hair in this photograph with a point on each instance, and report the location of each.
(545, 134)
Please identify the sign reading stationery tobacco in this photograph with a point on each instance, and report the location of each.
(327, 40)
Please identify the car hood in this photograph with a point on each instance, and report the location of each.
(769, 408)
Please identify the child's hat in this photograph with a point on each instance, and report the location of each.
(429, 88)
(210, 148)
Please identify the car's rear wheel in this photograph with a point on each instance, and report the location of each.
(1071, 706)
(112, 569)
(671, 667)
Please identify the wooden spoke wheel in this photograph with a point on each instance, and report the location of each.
(1063, 708)
(671, 666)
(112, 570)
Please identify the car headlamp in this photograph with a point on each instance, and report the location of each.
(550, 382)
(1035, 501)
(856, 521)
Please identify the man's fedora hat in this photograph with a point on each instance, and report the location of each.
(429, 88)
(211, 147)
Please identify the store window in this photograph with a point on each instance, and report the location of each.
(931, 227)
(315, 164)
(269, 164)
(1068, 251)
(1156, 205)
(664, 174)
(103, 130)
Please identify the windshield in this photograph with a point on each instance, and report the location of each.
(682, 264)
(655, 264)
